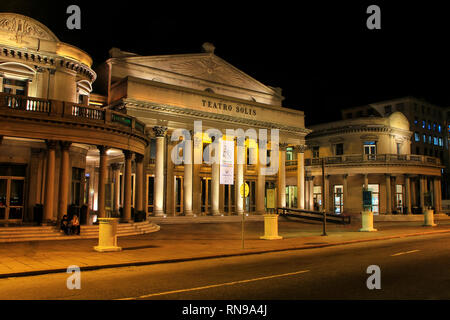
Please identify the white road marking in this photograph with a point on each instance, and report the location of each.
(216, 285)
(402, 253)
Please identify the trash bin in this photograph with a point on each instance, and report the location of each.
(107, 235)
(38, 212)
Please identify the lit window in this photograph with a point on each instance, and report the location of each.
(435, 141)
(441, 143)
(439, 128)
(416, 137)
(424, 138)
(430, 139)
(429, 125)
(434, 126)
(424, 124)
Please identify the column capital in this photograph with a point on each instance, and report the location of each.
(300, 148)
(138, 157)
(116, 166)
(102, 149)
(159, 131)
(387, 175)
(65, 145)
(51, 144)
(128, 154)
(345, 175)
(283, 146)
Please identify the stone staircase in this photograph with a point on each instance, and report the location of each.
(21, 233)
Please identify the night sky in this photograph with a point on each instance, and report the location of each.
(321, 55)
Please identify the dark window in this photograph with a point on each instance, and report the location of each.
(339, 149)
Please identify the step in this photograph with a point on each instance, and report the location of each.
(87, 232)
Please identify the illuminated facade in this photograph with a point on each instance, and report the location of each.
(66, 149)
(172, 92)
(372, 152)
(54, 145)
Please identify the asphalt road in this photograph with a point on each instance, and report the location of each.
(411, 268)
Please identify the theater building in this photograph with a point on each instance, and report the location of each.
(66, 148)
(171, 92)
(372, 152)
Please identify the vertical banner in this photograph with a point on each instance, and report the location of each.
(227, 162)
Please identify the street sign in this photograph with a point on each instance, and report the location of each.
(244, 190)
(367, 198)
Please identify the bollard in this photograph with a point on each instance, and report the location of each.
(107, 235)
(367, 221)
(429, 219)
(271, 227)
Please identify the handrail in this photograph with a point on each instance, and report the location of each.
(314, 215)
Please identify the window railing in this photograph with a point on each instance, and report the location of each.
(60, 109)
(88, 112)
(379, 158)
(18, 102)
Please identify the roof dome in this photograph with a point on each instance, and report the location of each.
(21, 27)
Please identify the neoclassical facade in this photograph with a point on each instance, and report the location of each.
(371, 152)
(173, 92)
(110, 153)
(54, 143)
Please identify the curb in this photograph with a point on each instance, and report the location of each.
(146, 263)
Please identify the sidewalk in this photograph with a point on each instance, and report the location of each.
(183, 242)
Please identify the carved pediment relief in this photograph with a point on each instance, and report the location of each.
(21, 27)
(205, 66)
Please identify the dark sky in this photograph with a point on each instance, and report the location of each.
(321, 54)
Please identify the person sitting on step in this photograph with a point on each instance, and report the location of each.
(75, 225)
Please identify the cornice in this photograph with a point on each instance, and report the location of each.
(51, 60)
(138, 105)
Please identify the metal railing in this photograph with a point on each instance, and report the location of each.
(314, 215)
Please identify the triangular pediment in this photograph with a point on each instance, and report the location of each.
(203, 66)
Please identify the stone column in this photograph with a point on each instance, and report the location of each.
(282, 175)
(345, 192)
(422, 191)
(102, 175)
(408, 194)
(261, 180)
(127, 187)
(187, 181)
(49, 181)
(300, 176)
(139, 184)
(116, 177)
(436, 194)
(196, 183)
(215, 189)
(311, 193)
(388, 194)
(240, 160)
(307, 203)
(159, 171)
(64, 179)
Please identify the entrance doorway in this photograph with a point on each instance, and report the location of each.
(11, 198)
(206, 196)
